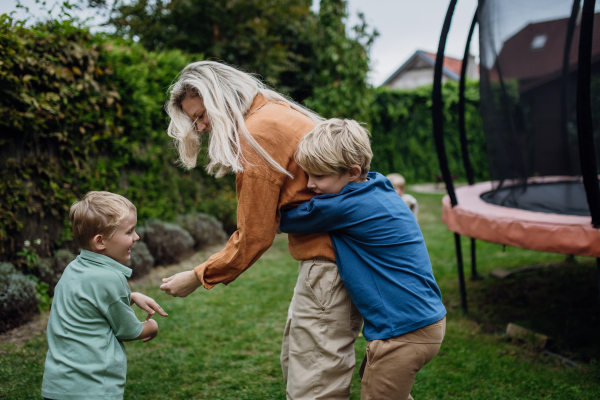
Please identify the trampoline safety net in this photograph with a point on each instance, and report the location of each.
(528, 68)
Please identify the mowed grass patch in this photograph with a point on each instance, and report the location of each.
(225, 343)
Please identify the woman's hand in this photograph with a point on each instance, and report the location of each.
(181, 284)
(147, 304)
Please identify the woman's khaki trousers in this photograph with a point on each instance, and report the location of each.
(317, 356)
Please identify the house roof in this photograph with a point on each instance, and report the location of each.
(451, 67)
(536, 52)
(450, 63)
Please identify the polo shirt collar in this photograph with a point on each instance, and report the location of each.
(105, 261)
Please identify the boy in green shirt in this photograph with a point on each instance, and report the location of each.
(91, 312)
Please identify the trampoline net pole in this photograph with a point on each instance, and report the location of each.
(461, 274)
(437, 106)
(598, 266)
(473, 260)
(564, 84)
(462, 130)
(438, 136)
(589, 170)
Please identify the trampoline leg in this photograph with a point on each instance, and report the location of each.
(598, 264)
(461, 273)
(473, 261)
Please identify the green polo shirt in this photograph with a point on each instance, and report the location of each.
(90, 315)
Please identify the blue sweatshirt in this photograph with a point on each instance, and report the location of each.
(380, 253)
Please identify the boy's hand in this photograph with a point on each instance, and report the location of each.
(147, 304)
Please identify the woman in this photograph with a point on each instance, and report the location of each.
(253, 132)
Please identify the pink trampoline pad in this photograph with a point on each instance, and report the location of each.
(475, 218)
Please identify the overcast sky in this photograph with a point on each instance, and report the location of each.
(404, 26)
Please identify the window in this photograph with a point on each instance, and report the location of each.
(538, 42)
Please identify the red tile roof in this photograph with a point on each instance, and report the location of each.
(518, 60)
(450, 63)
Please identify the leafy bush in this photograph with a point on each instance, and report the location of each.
(47, 273)
(167, 243)
(79, 113)
(402, 133)
(18, 301)
(141, 261)
(62, 258)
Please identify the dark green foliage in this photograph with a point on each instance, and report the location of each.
(306, 56)
(79, 113)
(18, 301)
(402, 138)
(341, 90)
(62, 258)
(47, 273)
(273, 38)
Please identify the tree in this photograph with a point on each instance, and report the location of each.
(342, 89)
(273, 38)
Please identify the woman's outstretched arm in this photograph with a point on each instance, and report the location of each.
(258, 199)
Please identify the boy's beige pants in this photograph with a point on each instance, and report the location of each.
(390, 366)
(317, 356)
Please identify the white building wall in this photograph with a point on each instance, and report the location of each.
(414, 78)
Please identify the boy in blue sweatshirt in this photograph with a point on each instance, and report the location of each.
(380, 253)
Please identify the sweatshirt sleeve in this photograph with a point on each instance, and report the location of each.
(257, 218)
(304, 219)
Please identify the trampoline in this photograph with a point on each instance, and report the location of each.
(512, 222)
(540, 106)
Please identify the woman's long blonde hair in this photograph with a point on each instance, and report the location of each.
(227, 94)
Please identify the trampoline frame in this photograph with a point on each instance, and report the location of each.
(584, 122)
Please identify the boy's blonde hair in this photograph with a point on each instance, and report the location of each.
(98, 213)
(333, 147)
(397, 180)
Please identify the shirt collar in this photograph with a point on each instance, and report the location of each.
(259, 102)
(371, 178)
(105, 261)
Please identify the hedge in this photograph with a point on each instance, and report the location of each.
(80, 112)
(402, 139)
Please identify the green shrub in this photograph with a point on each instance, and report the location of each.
(168, 243)
(62, 258)
(79, 113)
(141, 261)
(402, 133)
(18, 300)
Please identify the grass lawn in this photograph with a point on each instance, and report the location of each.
(225, 343)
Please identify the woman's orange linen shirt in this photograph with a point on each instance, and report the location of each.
(262, 192)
